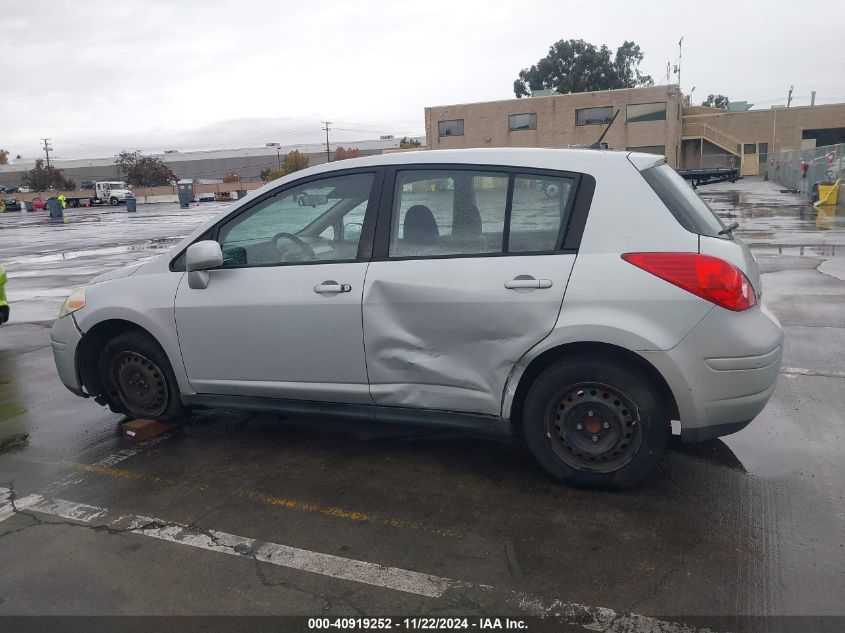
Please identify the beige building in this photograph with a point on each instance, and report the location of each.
(651, 119)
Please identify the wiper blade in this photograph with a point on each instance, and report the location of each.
(729, 228)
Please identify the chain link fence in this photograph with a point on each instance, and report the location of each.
(824, 165)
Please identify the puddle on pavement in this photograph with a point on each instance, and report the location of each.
(768, 447)
(146, 245)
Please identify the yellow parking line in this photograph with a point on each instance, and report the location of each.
(251, 495)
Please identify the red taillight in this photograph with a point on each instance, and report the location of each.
(708, 277)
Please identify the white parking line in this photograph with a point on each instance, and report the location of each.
(224, 543)
(590, 618)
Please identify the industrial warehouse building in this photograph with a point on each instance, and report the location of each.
(652, 119)
(203, 166)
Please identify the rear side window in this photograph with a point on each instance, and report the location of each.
(539, 211)
(689, 210)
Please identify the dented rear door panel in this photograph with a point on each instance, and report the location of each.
(445, 333)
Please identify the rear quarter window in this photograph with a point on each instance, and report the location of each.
(689, 210)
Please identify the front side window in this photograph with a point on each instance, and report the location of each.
(646, 112)
(538, 212)
(317, 221)
(522, 122)
(594, 116)
(455, 127)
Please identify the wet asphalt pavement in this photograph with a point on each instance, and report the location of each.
(750, 525)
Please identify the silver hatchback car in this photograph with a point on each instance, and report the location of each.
(583, 299)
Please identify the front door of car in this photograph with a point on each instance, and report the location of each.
(468, 274)
(282, 316)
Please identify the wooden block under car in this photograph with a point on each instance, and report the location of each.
(143, 430)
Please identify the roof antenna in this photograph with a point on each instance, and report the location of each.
(598, 143)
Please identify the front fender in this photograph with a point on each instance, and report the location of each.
(146, 300)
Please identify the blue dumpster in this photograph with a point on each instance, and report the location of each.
(28, 205)
(131, 201)
(241, 193)
(54, 205)
(186, 192)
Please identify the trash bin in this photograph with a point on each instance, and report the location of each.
(130, 204)
(186, 193)
(28, 205)
(54, 206)
(241, 193)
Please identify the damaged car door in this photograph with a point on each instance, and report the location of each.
(469, 272)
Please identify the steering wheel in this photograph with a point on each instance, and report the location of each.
(302, 244)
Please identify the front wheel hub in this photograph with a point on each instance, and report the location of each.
(593, 427)
(140, 384)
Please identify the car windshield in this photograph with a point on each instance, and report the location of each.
(117, 185)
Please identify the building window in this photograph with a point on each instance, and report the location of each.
(522, 122)
(749, 148)
(763, 151)
(594, 116)
(649, 149)
(455, 127)
(646, 112)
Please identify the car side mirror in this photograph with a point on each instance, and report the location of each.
(201, 257)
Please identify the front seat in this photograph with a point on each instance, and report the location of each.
(420, 227)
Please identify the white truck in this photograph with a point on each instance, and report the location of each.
(112, 192)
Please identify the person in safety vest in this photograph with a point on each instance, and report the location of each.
(63, 200)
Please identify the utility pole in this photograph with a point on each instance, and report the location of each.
(279, 156)
(327, 128)
(47, 149)
(813, 98)
(789, 98)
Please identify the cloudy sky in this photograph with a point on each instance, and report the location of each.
(99, 76)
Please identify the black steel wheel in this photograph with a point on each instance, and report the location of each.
(137, 378)
(596, 420)
(140, 384)
(593, 427)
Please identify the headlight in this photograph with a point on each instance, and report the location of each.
(74, 302)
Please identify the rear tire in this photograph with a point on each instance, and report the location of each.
(137, 378)
(596, 422)
(114, 202)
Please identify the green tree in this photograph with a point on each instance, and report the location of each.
(4, 157)
(294, 161)
(408, 143)
(578, 66)
(144, 171)
(42, 178)
(716, 101)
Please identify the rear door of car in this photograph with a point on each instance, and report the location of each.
(469, 269)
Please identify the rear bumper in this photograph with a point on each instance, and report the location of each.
(64, 339)
(724, 372)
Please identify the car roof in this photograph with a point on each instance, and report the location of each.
(575, 159)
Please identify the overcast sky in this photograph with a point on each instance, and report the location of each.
(99, 76)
